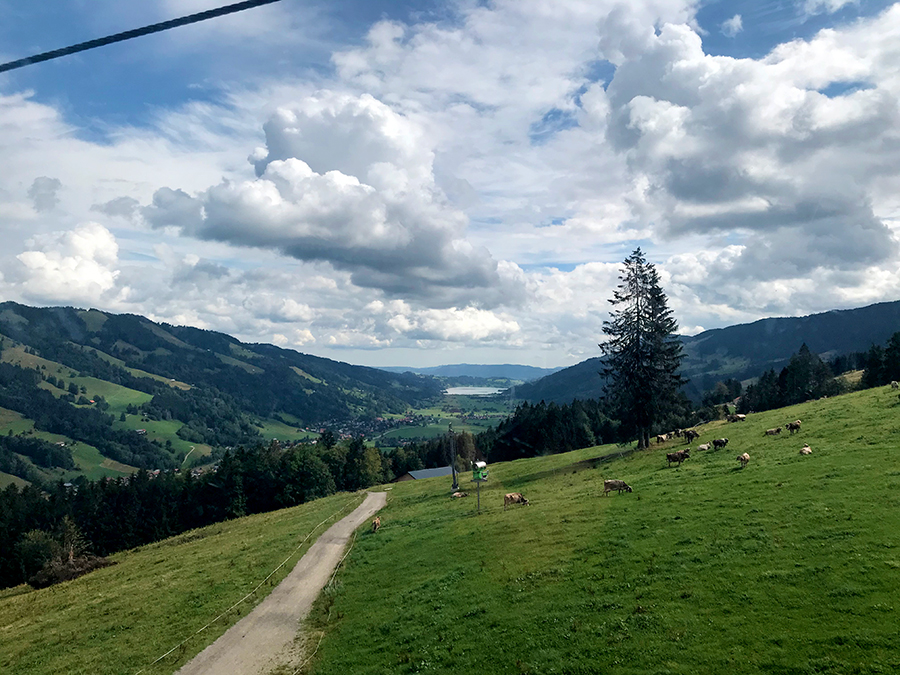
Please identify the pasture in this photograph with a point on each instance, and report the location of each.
(122, 618)
(790, 565)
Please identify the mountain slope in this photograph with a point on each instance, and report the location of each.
(704, 568)
(742, 351)
(506, 371)
(264, 380)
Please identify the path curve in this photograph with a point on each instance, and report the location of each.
(253, 645)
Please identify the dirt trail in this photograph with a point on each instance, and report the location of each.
(261, 640)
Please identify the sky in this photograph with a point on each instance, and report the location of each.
(418, 183)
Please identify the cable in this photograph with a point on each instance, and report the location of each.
(137, 32)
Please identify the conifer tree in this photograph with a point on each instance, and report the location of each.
(643, 353)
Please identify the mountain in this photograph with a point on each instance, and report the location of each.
(741, 352)
(499, 371)
(220, 377)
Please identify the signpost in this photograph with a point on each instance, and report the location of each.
(479, 475)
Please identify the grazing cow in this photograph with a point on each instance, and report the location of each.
(690, 434)
(677, 433)
(679, 456)
(895, 385)
(705, 446)
(772, 432)
(720, 443)
(806, 450)
(617, 485)
(460, 494)
(514, 498)
(662, 438)
(743, 459)
(376, 523)
(793, 426)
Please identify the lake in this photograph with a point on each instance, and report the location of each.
(473, 391)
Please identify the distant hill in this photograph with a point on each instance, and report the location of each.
(261, 379)
(743, 351)
(502, 371)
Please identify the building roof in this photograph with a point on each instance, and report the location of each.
(431, 473)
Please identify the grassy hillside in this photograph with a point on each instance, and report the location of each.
(790, 565)
(122, 618)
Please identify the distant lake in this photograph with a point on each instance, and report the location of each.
(473, 391)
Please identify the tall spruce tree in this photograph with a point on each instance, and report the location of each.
(643, 352)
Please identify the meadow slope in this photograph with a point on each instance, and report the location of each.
(791, 565)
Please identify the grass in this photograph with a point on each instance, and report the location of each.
(275, 429)
(122, 618)
(788, 566)
(8, 479)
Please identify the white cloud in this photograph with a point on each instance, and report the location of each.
(812, 7)
(79, 266)
(732, 26)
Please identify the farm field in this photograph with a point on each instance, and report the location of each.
(790, 565)
(122, 618)
(8, 479)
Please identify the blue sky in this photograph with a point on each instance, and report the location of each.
(420, 183)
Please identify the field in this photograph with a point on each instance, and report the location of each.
(122, 618)
(788, 566)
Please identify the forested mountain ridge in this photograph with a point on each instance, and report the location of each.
(261, 379)
(741, 352)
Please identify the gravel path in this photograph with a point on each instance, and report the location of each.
(261, 640)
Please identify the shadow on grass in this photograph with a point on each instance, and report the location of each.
(575, 467)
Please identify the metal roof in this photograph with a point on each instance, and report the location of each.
(431, 473)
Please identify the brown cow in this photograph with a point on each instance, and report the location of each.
(690, 434)
(772, 432)
(806, 450)
(376, 524)
(618, 485)
(793, 426)
(514, 498)
(743, 459)
(460, 494)
(679, 456)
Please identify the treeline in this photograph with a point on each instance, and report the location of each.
(807, 377)
(116, 514)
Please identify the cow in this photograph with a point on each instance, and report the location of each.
(743, 459)
(894, 384)
(457, 495)
(376, 523)
(690, 434)
(772, 432)
(677, 433)
(514, 498)
(736, 418)
(679, 456)
(705, 446)
(662, 438)
(617, 485)
(793, 426)
(720, 443)
(806, 450)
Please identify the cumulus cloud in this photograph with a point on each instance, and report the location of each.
(751, 148)
(347, 180)
(732, 26)
(78, 265)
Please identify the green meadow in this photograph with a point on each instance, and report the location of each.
(791, 565)
(788, 566)
(122, 618)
